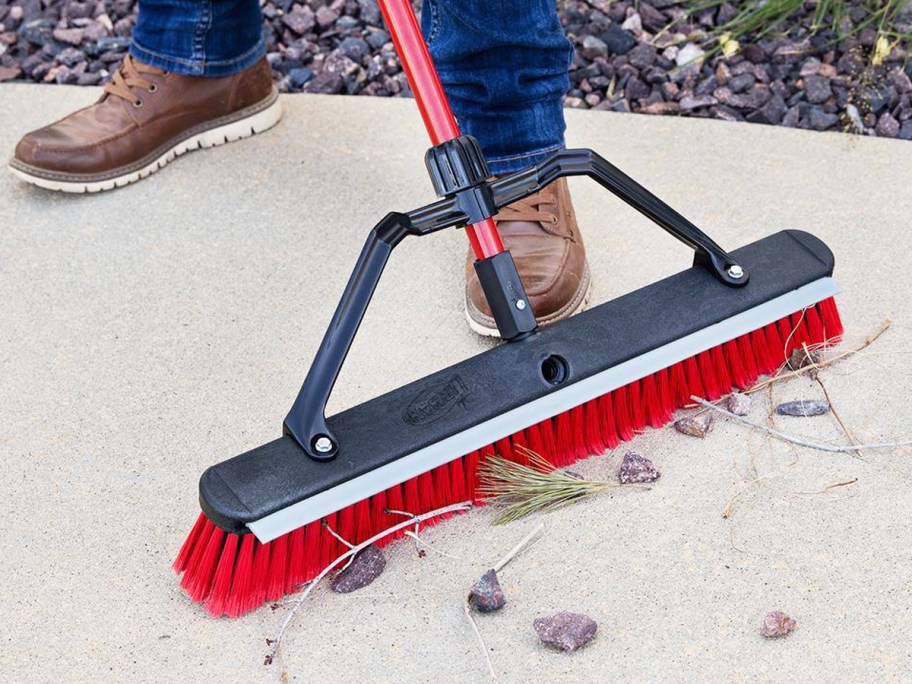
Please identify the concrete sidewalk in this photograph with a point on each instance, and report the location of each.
(149, 332)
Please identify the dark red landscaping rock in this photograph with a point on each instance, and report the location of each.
(364, 569)
(636, 469)
(486, 594)
(565, 631)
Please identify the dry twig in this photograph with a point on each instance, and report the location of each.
(466, 605)
(353, 550)
(796, 440)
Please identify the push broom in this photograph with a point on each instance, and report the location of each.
(270, 517)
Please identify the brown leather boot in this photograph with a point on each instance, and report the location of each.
(144, 119)
(541, 234)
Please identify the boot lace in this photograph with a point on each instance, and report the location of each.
(130, 76)
(538, 208)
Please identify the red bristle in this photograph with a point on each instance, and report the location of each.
(652, 408)
(239, 595)
(278, 568)
(259, 578)
(535, 443)
(394, 502)
(520, 447)
(426, 494)
(378, 518)
(183, 556)
(787, 333)
(749, 358)
(666, 403)
(221, 584)
(723, 377)
(345, 524)
(330, 548)
(622, 414)
(593, 428)
(695, 384)
(832, 323)
(411, 500)
(548, 438)
(504, 448)
(677, 386)
(363, 526)
(606, 417)
(635, 407)
(799, 323)
(297, 562)
(442, 487)
(760, 347)
(471, 474)
(775, 345)
(458, 480)
(578, 430)
(814, 326)
(201, 580)
(708, 376)
(732, 360)
(196, 555)
(313, 535)
(563, 434)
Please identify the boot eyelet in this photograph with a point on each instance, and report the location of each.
(153, 88)
(137, 103)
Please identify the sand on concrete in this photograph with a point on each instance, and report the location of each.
(149, 332)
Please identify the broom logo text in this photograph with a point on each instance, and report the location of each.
(434, 403)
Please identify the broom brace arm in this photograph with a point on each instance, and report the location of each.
(306, 421)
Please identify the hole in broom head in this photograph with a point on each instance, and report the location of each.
(554, 369)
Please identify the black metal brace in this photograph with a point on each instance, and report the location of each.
(306, 421)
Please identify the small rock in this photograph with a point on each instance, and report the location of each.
(300, 19)
(634, 24)
(690, 56)
(777, 624)
(803, 408)
(326, 16)
(820, 120)
(354, 48)
(689, 102)
(887, 126)
(642, 56)
(636, 469)
(298, 77)
(695, 426)
(799, 358)
(9, 73)
(593, 47)
(753, 54)
(364, 569)
(739, 404)
(817, 89)
(660, 108)
(855, 118)
(73, 36)
(325, 83)
(565, 631)
(617, 40)
(486, 594)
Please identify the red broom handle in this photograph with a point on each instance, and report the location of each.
(432, 103)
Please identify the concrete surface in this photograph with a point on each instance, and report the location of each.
(149, 332)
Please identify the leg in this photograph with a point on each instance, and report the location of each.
(504, 66)
(198, 37)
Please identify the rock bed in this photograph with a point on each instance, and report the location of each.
(627, 59)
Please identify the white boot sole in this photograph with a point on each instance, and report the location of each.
(219, 135)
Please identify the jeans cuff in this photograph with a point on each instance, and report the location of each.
(501, 165)
(189, 67)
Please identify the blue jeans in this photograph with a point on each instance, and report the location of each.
(503, 63)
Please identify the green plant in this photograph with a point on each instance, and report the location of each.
(758, 18)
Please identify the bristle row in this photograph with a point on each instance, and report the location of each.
(233, 574)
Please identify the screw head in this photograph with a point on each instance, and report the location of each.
(323, 444)
(735, 271)
(520, 304)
